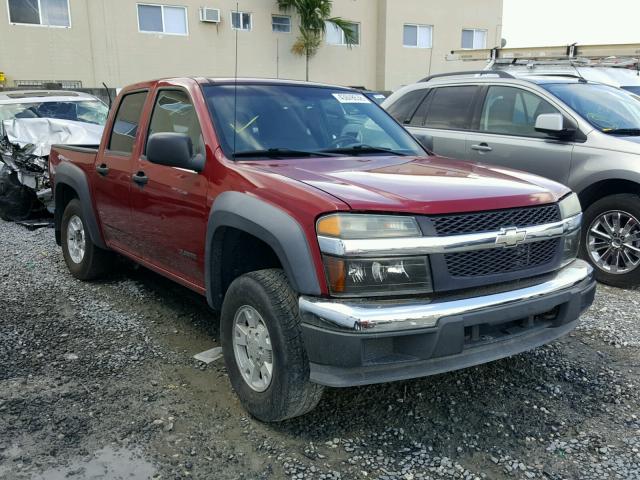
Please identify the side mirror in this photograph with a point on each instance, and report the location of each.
(555, 125)
(174, 150)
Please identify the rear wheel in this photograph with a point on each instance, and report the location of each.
(263, 347)
(611, 239)
(84, 259)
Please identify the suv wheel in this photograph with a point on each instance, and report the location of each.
(84, 259)
(611, 239)
(263, 348)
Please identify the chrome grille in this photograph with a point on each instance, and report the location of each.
(501, 260)
(495, 220)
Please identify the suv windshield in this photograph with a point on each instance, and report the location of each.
(87, 111)
(608, 109)
(297, 121)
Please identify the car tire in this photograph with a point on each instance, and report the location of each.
(17, 202)
(598, 222)
(261, 310)
(84, 259)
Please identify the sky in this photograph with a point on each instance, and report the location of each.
(532, 23)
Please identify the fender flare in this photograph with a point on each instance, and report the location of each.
(73, 176)
(271, 225)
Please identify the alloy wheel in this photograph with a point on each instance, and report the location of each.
(252, 348)
(76, 241)
(613, 242)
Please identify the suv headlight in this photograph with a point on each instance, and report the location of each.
(570, 209)
(353, 276)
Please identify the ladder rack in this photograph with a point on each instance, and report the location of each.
(627, 53)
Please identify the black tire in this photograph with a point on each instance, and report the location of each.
(17, 202)
(624, 202)
(290, 392)
(95, 261)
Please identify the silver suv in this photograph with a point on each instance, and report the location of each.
(577, 132)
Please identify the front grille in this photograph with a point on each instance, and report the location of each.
(501, 260)
(495, 220)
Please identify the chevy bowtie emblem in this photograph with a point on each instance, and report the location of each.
(510, 237)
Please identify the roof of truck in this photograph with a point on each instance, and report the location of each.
(268, 81)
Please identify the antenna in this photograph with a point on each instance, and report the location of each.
(235, 86)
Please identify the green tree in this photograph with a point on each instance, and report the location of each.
(313, 17)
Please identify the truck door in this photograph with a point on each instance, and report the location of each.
(169, 204)
(112, 183)
(506, 135)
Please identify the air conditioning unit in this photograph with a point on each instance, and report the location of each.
(210, 15)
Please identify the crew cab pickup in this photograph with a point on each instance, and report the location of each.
(336, 250)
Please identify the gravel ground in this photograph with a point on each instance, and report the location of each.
(97, 380)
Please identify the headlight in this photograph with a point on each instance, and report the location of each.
(377, 276)
(372, 276)
(570, 206)
(358, 226)
(571, 246)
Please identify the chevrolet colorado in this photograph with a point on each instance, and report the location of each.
(336, 249)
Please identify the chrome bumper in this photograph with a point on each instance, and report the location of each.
(385, 316)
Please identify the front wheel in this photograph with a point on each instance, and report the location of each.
(263, 347)
(611, 239)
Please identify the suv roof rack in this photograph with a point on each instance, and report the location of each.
(498, 73)
(573, 52)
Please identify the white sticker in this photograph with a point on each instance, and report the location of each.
(351, 98)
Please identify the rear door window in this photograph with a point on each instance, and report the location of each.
(450, 108)
(403, 109)
(513, 111)
(126, 124)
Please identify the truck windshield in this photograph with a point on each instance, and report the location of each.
(609, 109)
(87, 111)
(298, 120)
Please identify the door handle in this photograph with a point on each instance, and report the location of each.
(102, 169)
(140, 178)
(482, 147)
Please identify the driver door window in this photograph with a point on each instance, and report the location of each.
(174, 112)
(513, 111)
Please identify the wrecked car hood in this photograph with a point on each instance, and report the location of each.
(44, 132)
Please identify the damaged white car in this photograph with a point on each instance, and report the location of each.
(30, 122)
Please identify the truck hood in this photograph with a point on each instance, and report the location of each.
(422, 185)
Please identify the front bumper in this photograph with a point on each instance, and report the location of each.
(358, 343)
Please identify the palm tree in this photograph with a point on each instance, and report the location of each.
(313, 17)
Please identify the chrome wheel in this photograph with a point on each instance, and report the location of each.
(613, 242)
(76, 243)
(252, 348)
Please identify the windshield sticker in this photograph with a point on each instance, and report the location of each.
(351, 98)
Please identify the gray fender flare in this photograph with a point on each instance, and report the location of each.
(271, 225)
(72, 176)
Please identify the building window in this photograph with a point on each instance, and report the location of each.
(281, 23)
(335, 35)
(51, 13)
(241, 21)
(474, 38)
(417, 36)
(162, 19)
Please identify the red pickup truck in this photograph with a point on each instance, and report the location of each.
(337, 251)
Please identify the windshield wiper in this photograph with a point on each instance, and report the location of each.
(357, 149)
(280, 153)
(623, 131)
